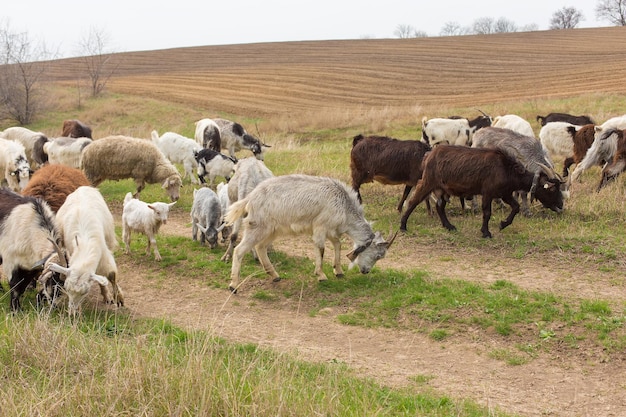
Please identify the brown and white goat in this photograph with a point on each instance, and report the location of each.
(618, 164)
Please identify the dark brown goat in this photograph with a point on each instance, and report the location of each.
(388, 161)
(462, 171)
(53, 183)
(564, 117)
(618, 165)
(583, 138)
(76, 129)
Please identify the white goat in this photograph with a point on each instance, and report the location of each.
(14, 166)
(144, 218)
(249, 173)
(323, 207)
(208, 135)
(179, 150)
(66, 150)
(222, 195)
(556, 138)
(88, 233)
(514, 123)
(206, 216)
(452, 131)
(32, 141)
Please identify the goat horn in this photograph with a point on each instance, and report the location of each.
(392, 236)
(483, 113)
(60, 253)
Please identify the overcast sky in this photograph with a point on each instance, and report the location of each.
(136, 25)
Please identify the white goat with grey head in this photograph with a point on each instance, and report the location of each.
(206, 216)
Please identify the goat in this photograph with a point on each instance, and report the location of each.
(222, 195)
(28, 236)
(582, 139)
(65, 150)
(323, 207)
(121, 157)
(144, 218)
(33, 143)
(53, 183)
(179, 150)
(515, 123)
(618, 164)
(14, 166)
(564, 117)
(249, 173)
(214, 164)
(88, 231)
(76, 129)
(388, 161)
(206, 216)
(208, 135)
(557, 139)
(491, 173)
(235, 137)
(452, 131)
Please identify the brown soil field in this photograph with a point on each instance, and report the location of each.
(274, 79)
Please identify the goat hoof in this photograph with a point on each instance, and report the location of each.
(276, 279)
(232, 289)
(339, 275)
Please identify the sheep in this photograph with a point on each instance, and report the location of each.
(53, 183)
(179, 150)
(120, 157)
(88, 233)
(249, 173)
(222, 195)
(515, 123)
(206, 216)
(601, 150)
(323, 207)
(33, 143)
(28, 236)
(214, 164)
(144, 218)
(76, 129)
(14, 166)
(208, 135)
(65, 150)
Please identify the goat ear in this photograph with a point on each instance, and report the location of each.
(151, 207)
(352, 256)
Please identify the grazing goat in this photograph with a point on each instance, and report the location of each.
(618, 164)
(28, 235)
(65, 150)
(53, 183)
(514, 122)
(249, 173)
(557, 139)
(235, 137)
(121, 157)
(526, 149)
(76, 129)
(214, 164)
(388, 161)
(33, 143)
(582, 139)
(452, 131)
(144, 218)
(323, 207)
(88, 230)
(208, 135)
(603, 147)
(179, 150)
(462, 171)
(564, 117)
(206, 216)
(14, 166)
(222, 195)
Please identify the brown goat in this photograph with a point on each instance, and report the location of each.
(583, 138)
(76, 129)
(388, 161)
(462, 171)
(53, 183)
(618, 164)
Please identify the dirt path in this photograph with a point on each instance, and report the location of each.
(459, 368)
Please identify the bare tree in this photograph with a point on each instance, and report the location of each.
(21, 73)
(483, 26)
(504, 25)
(452, 29)
(566, 18)
(97, 59)
(612, 10)
(403, 31)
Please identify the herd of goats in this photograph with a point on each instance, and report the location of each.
(57, 232)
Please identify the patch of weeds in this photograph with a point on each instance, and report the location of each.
(422, 379)
(438, 334)
(263, 295)
(508, 357)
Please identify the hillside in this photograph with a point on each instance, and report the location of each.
(268, 79)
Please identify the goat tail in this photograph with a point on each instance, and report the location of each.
(424, 120)
(155, 136)
(236, 211)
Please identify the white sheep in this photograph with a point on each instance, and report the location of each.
(65, 150)
(144, 218)
(32, 141)
(179, 150)
(121, 157)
